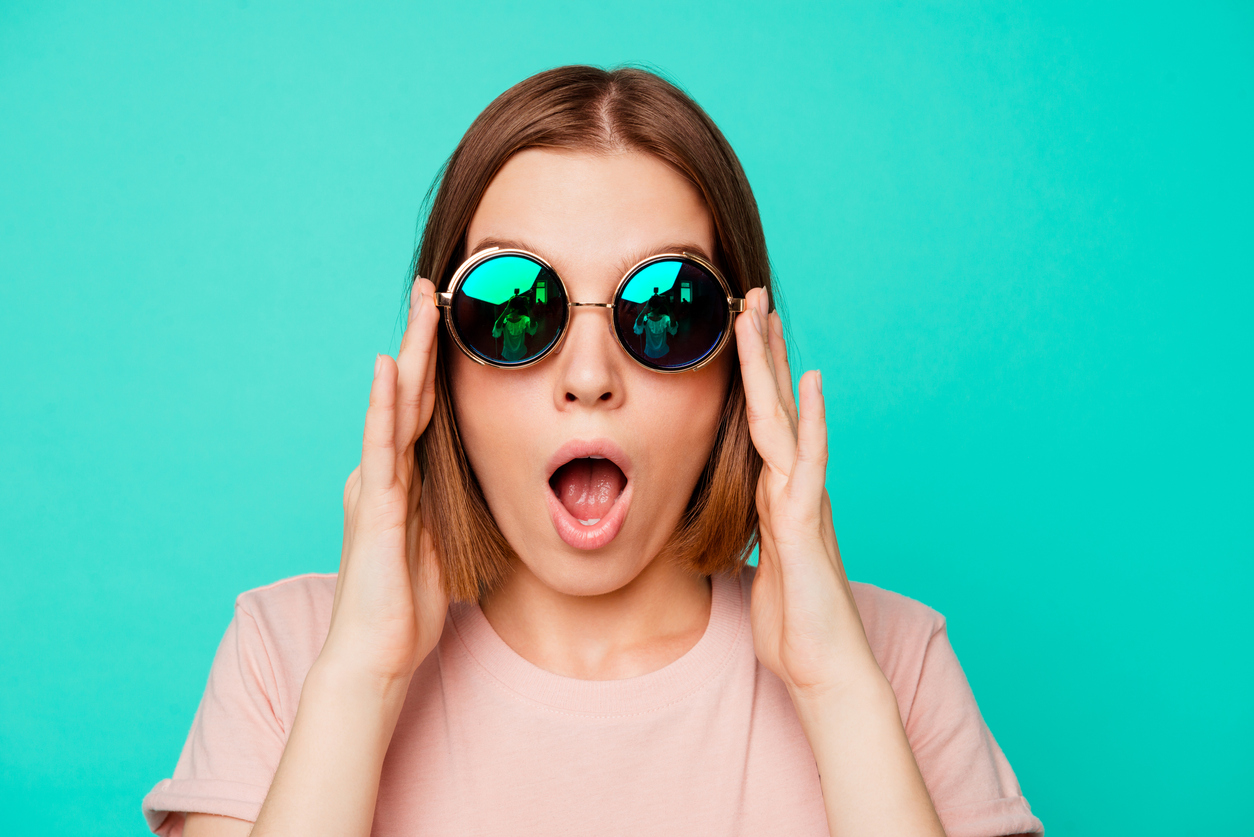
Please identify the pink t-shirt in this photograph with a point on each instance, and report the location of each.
(489, 744)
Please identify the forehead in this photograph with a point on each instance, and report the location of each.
(591, 215)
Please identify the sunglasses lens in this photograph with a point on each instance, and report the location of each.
(671, 314)
(509, 310)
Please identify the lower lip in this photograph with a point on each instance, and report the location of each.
(598, 534)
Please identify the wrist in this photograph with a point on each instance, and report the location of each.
(347, 683)
(845, 671)
(866, 690)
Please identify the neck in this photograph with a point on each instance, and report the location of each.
(643, 626)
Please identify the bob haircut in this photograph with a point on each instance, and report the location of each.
(587, 108)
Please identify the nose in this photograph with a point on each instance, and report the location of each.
(589, 369)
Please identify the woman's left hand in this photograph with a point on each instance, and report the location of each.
(806, 627)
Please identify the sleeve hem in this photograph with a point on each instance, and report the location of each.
(202, 796)
(991, 818)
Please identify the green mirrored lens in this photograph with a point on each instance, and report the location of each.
(671, 314)
(656, 278)
(509, 310)
(497, 280)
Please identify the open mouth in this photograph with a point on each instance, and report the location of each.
(587, 487)
(589, 492)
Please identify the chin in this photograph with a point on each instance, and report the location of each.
(576, 572)
(583, 577)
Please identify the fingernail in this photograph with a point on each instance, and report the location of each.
(757, 320)
(818, 380)
(764, 304)
(378, 364)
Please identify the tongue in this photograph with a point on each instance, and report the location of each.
(588, 487)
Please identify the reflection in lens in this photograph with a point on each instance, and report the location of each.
(509, 309)
(671, 314)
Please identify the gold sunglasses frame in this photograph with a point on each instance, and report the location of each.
(444, 300)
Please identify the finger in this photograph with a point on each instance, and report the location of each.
(423, 294)
(409, 390)
(783, 373)
(378, 447)
(427, 405)
(350, 489)
(777, 359)
(829, 528)
(764, 312)
(769, 425)
(809, 473)
(417, 347)
(829, 542)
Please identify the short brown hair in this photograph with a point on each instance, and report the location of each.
(589, 108)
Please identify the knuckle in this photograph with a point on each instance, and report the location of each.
(810, 457)
(385, 513)
(755, 413)
(815, 452)
(800, 513)
(751, 357)
(774, 411)
(813, 439)
(781, 412)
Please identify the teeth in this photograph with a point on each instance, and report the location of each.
(591, 521)
(594, 456)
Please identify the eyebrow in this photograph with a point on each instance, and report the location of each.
(621, 268)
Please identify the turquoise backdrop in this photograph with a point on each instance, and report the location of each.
(1016, 238)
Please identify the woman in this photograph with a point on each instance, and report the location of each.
(542, 622)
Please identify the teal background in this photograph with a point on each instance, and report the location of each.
(1016, 238)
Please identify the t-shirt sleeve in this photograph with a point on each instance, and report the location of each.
(971, 783)
(236, 738)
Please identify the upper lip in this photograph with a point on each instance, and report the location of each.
(582, 448)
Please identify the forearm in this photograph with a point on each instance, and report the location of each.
(871, 783)
(327, 781)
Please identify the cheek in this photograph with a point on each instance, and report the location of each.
(481, 437)
(495, 420)
(687, 415)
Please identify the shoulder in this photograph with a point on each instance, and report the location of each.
(299, 594)
(890, 616)
(886, 615)
(275, 635)
(899, 630)
(292, 613)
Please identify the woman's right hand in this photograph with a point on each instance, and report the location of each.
(390, 602)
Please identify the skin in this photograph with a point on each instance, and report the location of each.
(612, 612)
(615, 611)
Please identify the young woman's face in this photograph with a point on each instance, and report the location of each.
(587, 460)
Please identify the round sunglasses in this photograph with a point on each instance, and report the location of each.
(508, 308)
